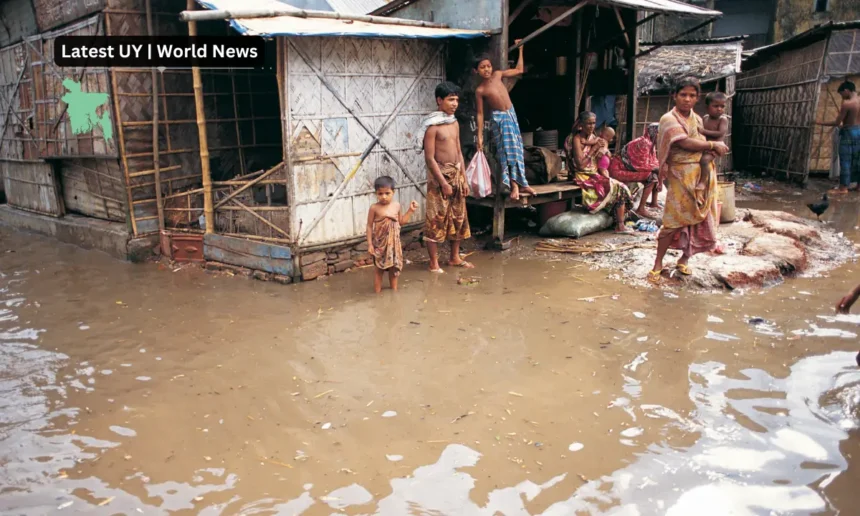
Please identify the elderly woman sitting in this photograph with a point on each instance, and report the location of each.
(599, 192)
(638, 163)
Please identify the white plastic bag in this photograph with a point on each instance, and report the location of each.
(478, 176)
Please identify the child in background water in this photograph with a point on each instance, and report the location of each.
(383, 233)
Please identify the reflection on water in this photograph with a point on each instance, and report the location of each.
(733, 440)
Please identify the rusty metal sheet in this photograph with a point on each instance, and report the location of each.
(249, 254)
(53, 13)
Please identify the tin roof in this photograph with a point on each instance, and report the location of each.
(804, 38)
(660, 69)
(294, 26)
(338, 6)
(355, 6)
(657, 6)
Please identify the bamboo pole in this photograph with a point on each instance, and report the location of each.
(156, 159)
(121, 136)
(236, 14)
(208, 211)
(236, 116)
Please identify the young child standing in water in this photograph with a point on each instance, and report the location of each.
(383, 233)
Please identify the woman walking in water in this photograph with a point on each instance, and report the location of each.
(690, 217)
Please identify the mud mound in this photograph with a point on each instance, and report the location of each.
(760, 249)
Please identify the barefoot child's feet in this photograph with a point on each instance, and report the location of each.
(529, 190)
(462, 263)
(515, 191)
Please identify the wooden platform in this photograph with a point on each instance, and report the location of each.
(545, 193)
(499, 203)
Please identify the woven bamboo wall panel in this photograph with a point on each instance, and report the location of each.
(773, 129)
(17, 112)
(790, 67)
(53, 126)
(368, 79)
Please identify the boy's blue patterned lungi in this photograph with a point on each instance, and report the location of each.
(849, 155)
(509, 145)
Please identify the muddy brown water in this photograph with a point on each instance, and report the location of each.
(133, 389)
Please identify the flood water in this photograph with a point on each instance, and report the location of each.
(133, 389)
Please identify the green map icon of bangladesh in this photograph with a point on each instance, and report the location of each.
(82, 110)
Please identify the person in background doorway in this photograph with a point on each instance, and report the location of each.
(383, 233)
(599, 191)
(690, 218)
(447, 187)
(493, 94)
(848, 124)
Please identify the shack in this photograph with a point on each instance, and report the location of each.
(715, 62)
(274, 166)
(782, 90)
(578, 54)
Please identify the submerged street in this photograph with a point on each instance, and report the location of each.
(139, 389)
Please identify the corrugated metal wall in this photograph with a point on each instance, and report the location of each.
(371, 77)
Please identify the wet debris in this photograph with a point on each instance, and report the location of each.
(389, 413)
(468, 280)
(575, 447)
(470, 413)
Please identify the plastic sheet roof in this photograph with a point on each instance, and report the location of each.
(294, 26)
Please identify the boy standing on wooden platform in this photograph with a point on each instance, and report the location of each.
(383, 233)
(509, 141)
(446, 180)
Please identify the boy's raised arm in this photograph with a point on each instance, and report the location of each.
(519, 69)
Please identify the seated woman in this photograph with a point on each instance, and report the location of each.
(599, 192)
(638, 164)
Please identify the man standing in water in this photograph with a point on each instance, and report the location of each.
(848, 124)
(509, 141)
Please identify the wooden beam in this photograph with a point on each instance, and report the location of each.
(549, 25)
(632, 87)
(208, 210)
(519, 10)
(606, 41)
(623, 29)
